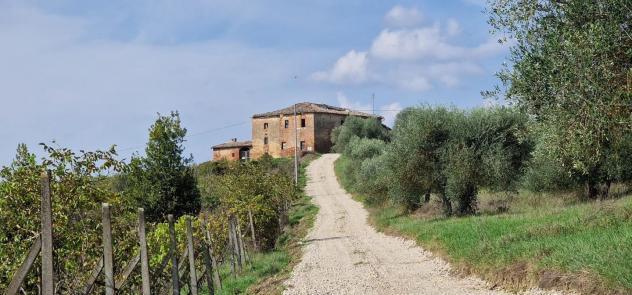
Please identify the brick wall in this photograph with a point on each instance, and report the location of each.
(325, 123)
(226, 153)
(280, 139)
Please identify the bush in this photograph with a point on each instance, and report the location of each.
(163, 182)
(342, 135)
(78, 187)
(372, 179)
(259, 188)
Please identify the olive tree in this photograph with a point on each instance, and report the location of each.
(570, 70)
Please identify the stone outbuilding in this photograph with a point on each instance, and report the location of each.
(232, 150)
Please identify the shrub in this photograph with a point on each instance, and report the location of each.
(342, 135)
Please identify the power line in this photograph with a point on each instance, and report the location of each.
(193, 135)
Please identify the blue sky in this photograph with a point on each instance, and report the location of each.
(89, 74)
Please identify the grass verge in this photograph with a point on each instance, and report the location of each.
(581, 247)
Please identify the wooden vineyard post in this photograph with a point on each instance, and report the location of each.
(242, 248)
(208, 274)
(108, 261)
(252, 231)
(174, 259)
(22, 272)
(48, 281)
(212, 266)
(235, 242)
(192, 273)
(144, 262)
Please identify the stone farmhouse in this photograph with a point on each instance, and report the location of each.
(276, 132)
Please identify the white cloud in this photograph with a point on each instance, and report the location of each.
(345, 102)
(453, 27)
(413, 58)
(350, 68)
(390, 111)
(415, 83)
(400, 16)
(412, 44)
(387, 111)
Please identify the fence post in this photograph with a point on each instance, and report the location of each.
(144, 262)
(22, 272)
(242, 249)
(108, 261)
(192, 274)
(252, 231)
(235, 243)
(212, 267)
(174, 259)
(48, 276)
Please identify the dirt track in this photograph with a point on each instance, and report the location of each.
(344, 255)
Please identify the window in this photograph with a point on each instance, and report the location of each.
(233, 155)
(342, 122)
(302, 145)
(287, 123)
(265, 140)
(302, 122)
(283, 145)
(265, 125)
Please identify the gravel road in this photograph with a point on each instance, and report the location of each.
(345, 255)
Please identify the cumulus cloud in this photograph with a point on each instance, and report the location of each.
(387, 111)
(352, 67)
(400, 16)
(414, 44)
(413, 58)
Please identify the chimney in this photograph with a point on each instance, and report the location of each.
(233, 139)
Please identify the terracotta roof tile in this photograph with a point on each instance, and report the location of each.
(233, 144)
(309, 107)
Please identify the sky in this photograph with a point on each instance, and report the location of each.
(90, 74)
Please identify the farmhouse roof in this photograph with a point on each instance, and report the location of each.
(233, 144)
(310, 107)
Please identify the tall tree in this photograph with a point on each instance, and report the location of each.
(571, 72)
(163, 181)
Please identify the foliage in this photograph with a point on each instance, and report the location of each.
(447, 152)
(571, 71)
(415, 160)
(358, 151)
(256, 188)
(77, 190)
(353, 126)
(163, 181)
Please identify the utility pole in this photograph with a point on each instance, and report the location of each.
(295, 148)
(373, 103)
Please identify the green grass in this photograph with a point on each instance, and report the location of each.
(262, 266)
(584, 245)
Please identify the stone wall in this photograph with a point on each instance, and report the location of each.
(325, 123)
(231, 154)
(277, 134)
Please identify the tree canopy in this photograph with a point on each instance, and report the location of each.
(163, 181)
(570, 70)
